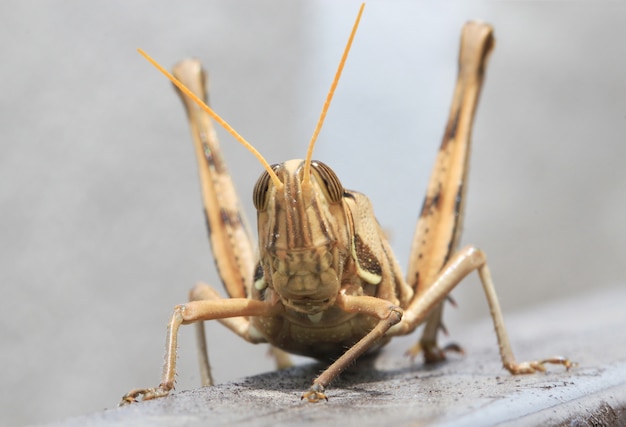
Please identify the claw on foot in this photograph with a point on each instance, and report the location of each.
(314, 394)
(539, 365)
(142, 394)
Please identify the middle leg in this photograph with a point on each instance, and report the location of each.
(225, 310)
(388, 315)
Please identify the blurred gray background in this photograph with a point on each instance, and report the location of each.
(102, 229)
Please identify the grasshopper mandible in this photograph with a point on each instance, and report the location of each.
(325, 278)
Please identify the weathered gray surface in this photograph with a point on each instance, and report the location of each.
(466, 391)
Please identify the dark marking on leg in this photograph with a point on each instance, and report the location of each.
(431, 203)
(458, 222)
(208, 154)
(451, 128)
(232, 219)
(206, 221)
(458, 200)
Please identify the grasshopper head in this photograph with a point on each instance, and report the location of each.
(303, 237)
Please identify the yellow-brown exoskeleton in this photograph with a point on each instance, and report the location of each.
(324, 278)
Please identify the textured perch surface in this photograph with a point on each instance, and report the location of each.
(465, 391)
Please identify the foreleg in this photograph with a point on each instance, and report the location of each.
(388, 314)
(226, 310)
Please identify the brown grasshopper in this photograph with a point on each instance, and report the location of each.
(325, 279)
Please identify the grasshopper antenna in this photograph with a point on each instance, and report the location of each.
(329, 98)
(215, 117)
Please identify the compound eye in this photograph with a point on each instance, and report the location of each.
(332, 185)
(259, 194)
(261, 190)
